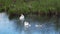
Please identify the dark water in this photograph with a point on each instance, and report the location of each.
(49, 25)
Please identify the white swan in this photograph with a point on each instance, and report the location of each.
(21, 17)
(26, 24)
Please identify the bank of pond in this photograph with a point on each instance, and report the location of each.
(38, 7)
(16, 12)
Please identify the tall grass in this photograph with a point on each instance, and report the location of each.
(29, 6)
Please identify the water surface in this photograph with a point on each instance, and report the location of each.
(50, 25)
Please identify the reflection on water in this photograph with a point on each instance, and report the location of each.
(6, 26)
(45, 25)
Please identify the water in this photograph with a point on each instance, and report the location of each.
(49, 25)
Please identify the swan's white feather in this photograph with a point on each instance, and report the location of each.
(21, 17)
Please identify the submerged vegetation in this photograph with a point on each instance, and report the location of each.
(40, 7)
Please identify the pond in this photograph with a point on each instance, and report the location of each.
(48, 25)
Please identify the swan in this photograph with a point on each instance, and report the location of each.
(21, 17)
(26, 24)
